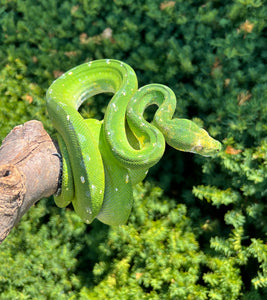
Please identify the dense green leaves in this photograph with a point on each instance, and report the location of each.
(162, 267)
(35, 263)
(209, 241)
(21, 99)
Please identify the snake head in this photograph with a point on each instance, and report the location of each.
(204, 144)
(185, 135)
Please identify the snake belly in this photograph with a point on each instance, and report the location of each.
(102, 160)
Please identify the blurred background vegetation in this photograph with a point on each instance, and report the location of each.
(198, 228)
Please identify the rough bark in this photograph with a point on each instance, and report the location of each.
(29, 171)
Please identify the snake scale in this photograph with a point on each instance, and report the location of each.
(102, 160)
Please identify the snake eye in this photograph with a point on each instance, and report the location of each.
(198, 148)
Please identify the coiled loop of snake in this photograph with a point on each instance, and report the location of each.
(103, 159)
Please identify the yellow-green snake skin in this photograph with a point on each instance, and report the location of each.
(102, 160)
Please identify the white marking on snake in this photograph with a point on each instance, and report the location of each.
(127, 178)
(82, 137)
(89, 211)
(82, 179)
(115, 107)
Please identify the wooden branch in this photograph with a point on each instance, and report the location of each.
(29, 171)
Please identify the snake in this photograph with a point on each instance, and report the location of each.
(102, 160)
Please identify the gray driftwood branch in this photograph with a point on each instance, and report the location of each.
(29, 171)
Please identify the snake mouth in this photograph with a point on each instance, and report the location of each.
(214, 151)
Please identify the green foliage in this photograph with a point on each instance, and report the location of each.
(35, 264)
(163, 267)
(213, 55)
(21, 99)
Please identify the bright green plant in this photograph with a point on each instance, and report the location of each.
(21, 99)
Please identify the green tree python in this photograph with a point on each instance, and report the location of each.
(102, 160)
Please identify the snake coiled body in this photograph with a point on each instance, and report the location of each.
(102, 160)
